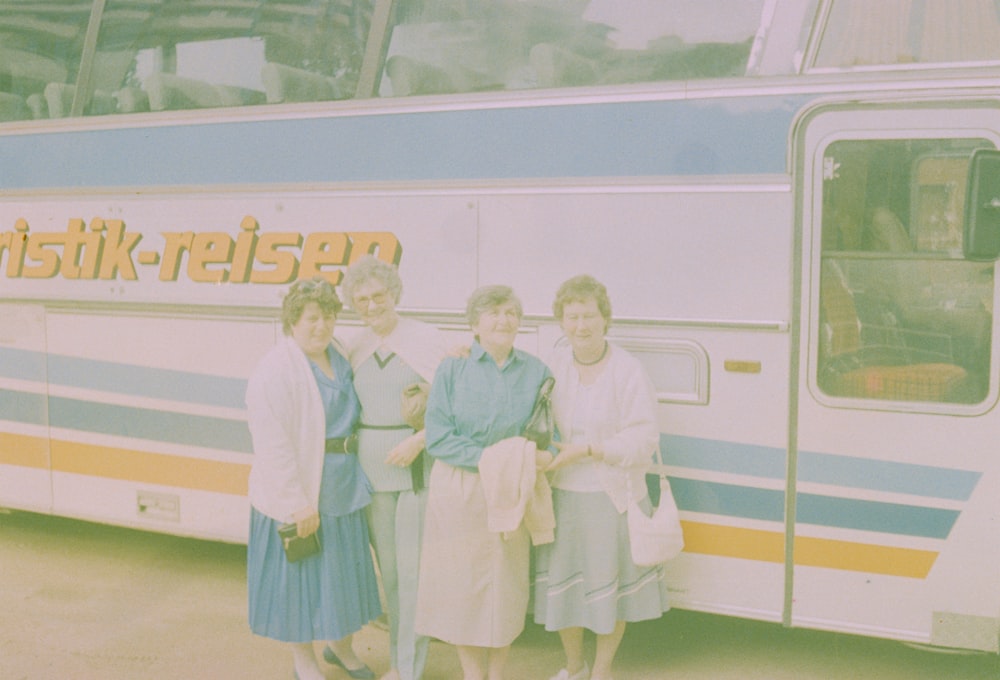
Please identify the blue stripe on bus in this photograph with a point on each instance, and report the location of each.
(21, 364)
(720, 456)
(23, 407)
(890, 518)
(820, 468)
(152, 425)
(118, 378)
(631, 139)
(880, 475)
(144, 381)
(744, 502)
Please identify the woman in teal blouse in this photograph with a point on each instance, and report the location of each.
(473, 590)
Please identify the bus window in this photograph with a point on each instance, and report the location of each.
(865, 33)
(442, 46)
(902, 316)
(40, 48)
(161, 56)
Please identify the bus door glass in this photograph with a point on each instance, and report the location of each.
(896, 380)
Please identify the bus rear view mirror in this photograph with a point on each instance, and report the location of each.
(982, 207)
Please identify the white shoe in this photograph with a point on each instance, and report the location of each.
(582, 674)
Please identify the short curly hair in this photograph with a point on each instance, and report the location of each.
(304, 291)
(370, 267)
(580, 289)
(488, 297)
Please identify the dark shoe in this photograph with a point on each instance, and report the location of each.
(363, 673)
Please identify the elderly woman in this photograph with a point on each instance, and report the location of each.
(605, 413)
(302, 411)
(473, 590)
(392, 354)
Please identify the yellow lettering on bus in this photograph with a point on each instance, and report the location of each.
(285, 264)
(175, 244)
(214, 247)
(324, 249)
(47, 259)
(246, 244)
(382, 244)
(117, 255)
(15, 248)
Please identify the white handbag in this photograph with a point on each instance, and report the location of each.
(658, 538)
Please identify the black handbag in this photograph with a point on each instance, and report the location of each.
(541, 423)
(297, 548)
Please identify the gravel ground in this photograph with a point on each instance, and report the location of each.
(83, 601)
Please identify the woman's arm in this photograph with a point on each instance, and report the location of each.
(443, 439)
(637, 434)
(270, 417)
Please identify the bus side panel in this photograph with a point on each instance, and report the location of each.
(148, 419)
(723, 411)
(24, 444)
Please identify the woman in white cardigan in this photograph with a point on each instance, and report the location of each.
(302, 411)
(605, 413)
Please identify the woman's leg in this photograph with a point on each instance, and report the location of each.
(572, 643)
(497, 662)
(345, 652)
(607, 647)
(306, 667)
(411, 648)
(473, 660)
(381, 513)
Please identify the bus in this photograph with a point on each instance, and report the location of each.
(793, 203)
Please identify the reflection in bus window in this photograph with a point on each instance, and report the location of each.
(901, 315)
(40, 48)
(155, 55)
(889, 32)
(444, 46)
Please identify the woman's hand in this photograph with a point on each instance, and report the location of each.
(406, 451)
(306, 521)
(543, 459)
(568, 454)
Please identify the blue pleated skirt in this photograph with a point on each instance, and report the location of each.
(323, 597)
(586, 578)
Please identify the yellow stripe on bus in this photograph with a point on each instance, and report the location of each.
(151, 468)
(873, 559)
(769, 546)
(19, 449)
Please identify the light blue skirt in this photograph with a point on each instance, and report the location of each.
(323, 597)
(586, 578)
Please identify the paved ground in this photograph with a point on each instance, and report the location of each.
(81, 602)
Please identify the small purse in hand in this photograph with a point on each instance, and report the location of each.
(297, 548)
(413, 404)
(541, 424)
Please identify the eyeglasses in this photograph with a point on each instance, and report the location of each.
(380, 298)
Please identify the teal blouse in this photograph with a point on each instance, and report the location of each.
(474, 403)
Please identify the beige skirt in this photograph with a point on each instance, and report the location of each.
(473, 586)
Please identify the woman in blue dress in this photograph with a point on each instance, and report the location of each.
(302, 411)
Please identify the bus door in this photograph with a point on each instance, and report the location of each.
(25, 458)
(894, 467)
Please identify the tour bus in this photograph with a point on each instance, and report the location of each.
(794, 204)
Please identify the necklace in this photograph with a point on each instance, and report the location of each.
(595, 361)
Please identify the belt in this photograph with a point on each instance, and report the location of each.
(401, 426)
(342, 444)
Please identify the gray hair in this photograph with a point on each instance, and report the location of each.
(489, 297)
(370, 267)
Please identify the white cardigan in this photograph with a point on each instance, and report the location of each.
(622, 422)
(288, 427)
